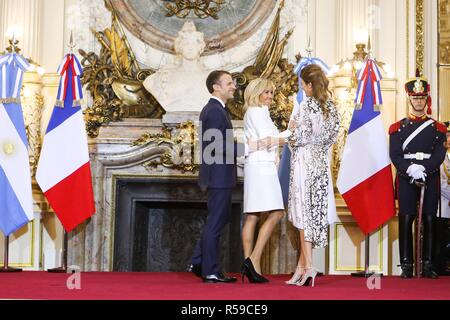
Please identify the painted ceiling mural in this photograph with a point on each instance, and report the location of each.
(235, 21)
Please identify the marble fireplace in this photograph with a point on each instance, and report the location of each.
(159, 220)
(148, 218)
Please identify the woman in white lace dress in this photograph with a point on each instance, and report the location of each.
(262, 190)
(311, 206)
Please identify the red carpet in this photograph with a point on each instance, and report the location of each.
(184, 286)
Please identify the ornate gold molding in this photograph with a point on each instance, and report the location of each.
(345, 109)
(202, 9)
(19, 233)
(181, 143)
(407, 40)
(337, 266)
(420, 42)
(115, 80)
(270, 64)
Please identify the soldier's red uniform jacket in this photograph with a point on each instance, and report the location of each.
(427, 148)
(429, 141)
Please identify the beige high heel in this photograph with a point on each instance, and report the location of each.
(297, 277)
(310, 273)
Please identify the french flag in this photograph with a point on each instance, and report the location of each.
(64, 172)
(365, 176)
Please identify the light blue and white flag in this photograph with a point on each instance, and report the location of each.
(16, 204)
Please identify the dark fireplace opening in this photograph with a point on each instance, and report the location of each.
(158, 223)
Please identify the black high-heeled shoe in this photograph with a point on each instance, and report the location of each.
(249, 271)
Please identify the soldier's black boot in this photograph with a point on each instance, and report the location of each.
(427, 254)
(406, 244)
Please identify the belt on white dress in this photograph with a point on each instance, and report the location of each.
(417, 156)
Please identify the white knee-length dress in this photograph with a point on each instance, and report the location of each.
(262, 190)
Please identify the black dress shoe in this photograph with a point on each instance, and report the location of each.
(407, 270)
(195, 269)
(428, 270)
(218, 278)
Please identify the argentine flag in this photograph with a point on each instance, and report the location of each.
(16, 202)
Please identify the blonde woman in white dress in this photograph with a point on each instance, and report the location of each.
(262, 190)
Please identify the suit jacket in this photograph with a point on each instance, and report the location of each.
(218, 159)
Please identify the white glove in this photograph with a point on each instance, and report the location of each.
(419, 175)
(414, 168)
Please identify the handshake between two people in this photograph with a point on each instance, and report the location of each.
(269, 143)
(416, 172)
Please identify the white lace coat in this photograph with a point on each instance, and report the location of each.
(311, 204)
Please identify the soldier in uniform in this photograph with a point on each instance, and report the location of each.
(417, 149)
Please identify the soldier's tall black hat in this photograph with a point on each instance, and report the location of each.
(419, 86)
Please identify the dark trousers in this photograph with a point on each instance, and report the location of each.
(409, 196)
(206, 251)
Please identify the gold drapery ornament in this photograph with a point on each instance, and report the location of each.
(115, 80)
(201, 8)
(270, 64)
(180, 144)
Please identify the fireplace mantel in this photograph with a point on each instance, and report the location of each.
(113, 156)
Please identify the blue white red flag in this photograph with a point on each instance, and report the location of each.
(64, 172)
(16, 202)
(365, 176)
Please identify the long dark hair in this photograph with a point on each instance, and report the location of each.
(314, 74)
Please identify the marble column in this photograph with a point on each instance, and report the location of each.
(2, 25)
(26, 15)
(354, 15)
(52, 42)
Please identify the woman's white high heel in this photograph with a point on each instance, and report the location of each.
(297, 277)
(309, 275)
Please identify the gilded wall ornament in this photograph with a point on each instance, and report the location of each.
(32, 111)
(115, 81)
(201, 8)
(420, 35)
(181, 143)
(345, 106)
(270, 64)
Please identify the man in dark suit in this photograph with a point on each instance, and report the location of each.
(218, 173)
